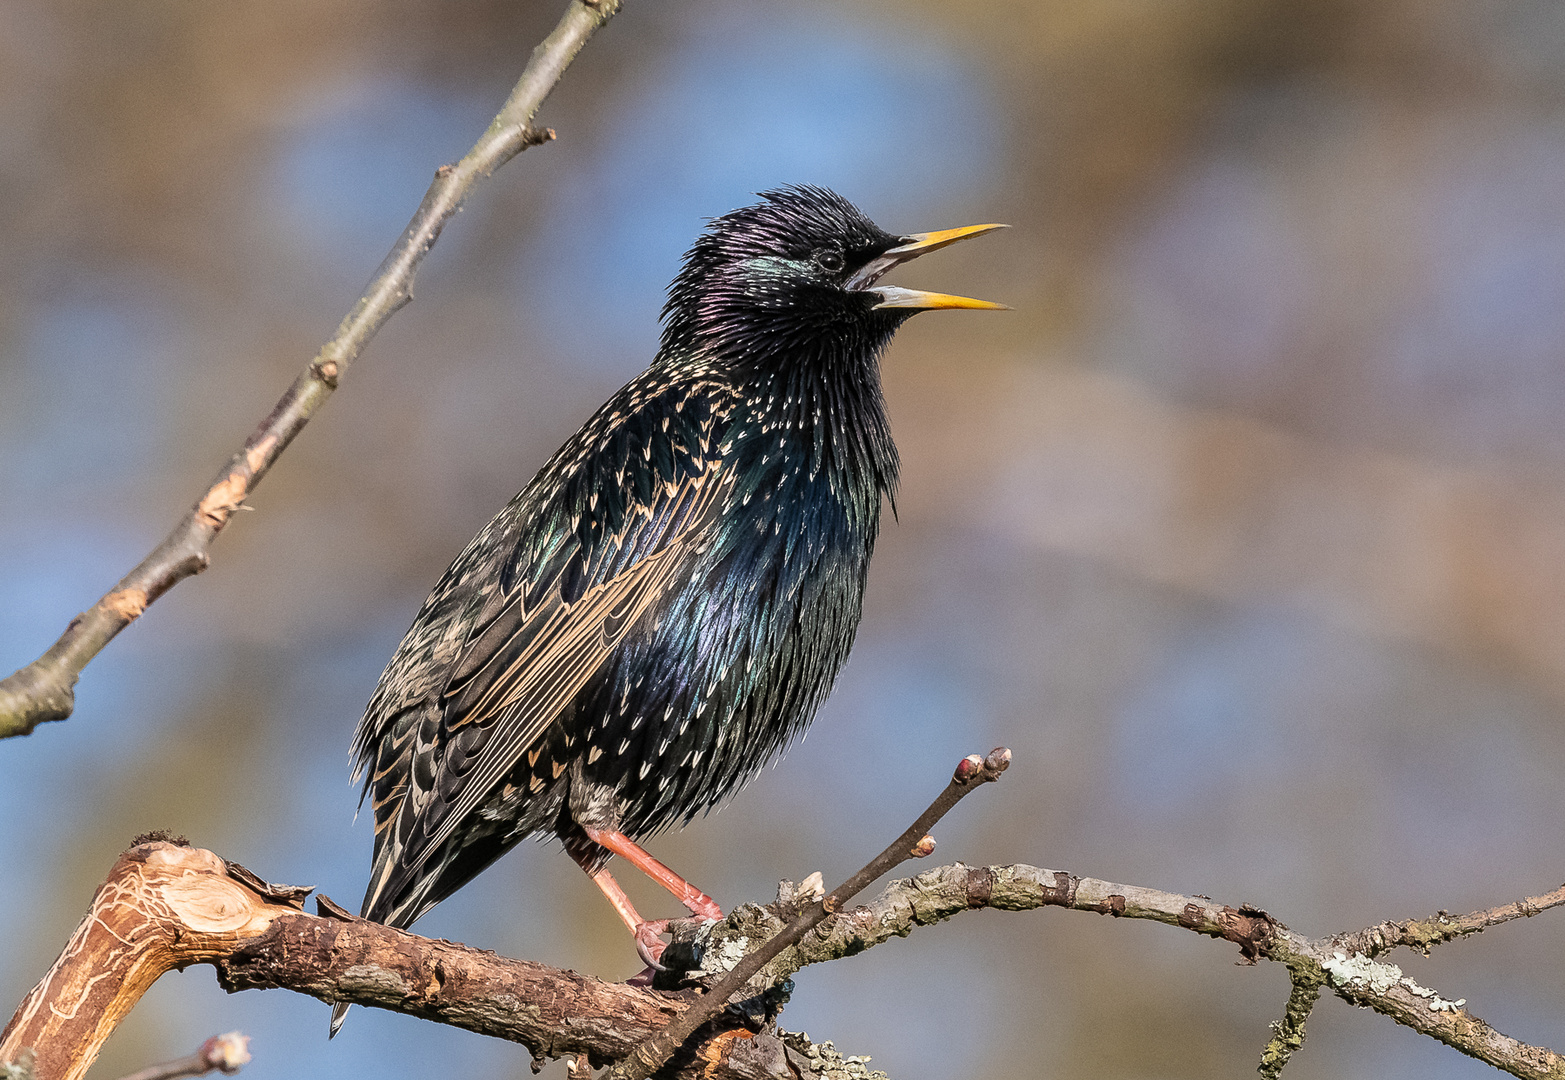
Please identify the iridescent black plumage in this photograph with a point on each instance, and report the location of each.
(665, 605)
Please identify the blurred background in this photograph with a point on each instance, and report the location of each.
(1246, 529)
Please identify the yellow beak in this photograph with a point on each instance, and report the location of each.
(893, 296)
(912, 246)
(925, 242)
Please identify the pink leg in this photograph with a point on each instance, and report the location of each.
(648, 944)
(693, 898)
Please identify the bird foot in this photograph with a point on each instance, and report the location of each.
(650, 946)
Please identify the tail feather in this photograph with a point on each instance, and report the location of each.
(339, 1012)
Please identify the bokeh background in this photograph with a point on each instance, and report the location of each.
(1246, 529)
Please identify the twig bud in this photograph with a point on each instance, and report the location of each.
(227, 1052)
(924, 847)
(967, 768)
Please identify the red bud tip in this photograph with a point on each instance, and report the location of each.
(924, 847)
(967, 768)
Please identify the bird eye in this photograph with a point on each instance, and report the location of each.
(829, 260)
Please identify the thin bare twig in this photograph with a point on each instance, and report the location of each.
(1424, 934)
(44, 690)
(971, 773)
(1354, 977)
(226, 1054)
(1288, 1033)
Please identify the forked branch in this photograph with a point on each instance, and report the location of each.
(914, 843)
(165, 906)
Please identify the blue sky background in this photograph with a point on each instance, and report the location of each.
(1243, 530)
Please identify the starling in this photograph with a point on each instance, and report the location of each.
(666, 604)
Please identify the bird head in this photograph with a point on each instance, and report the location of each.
(798, 272)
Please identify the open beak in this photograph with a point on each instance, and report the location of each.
(912, 246)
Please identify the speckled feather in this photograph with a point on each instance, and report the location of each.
(666, 604)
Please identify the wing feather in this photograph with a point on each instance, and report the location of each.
(526, 697)
(526, 617)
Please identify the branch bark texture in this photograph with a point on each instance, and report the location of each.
(165, 906)
(45, 689)
(1354, 977)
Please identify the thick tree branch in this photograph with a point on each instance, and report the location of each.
(44, 689)
(166, 906)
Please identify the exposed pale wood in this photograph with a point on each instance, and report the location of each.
(166, 906)
(162, 907)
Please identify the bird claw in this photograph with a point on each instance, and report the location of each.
(650, 946)
(646, 977)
